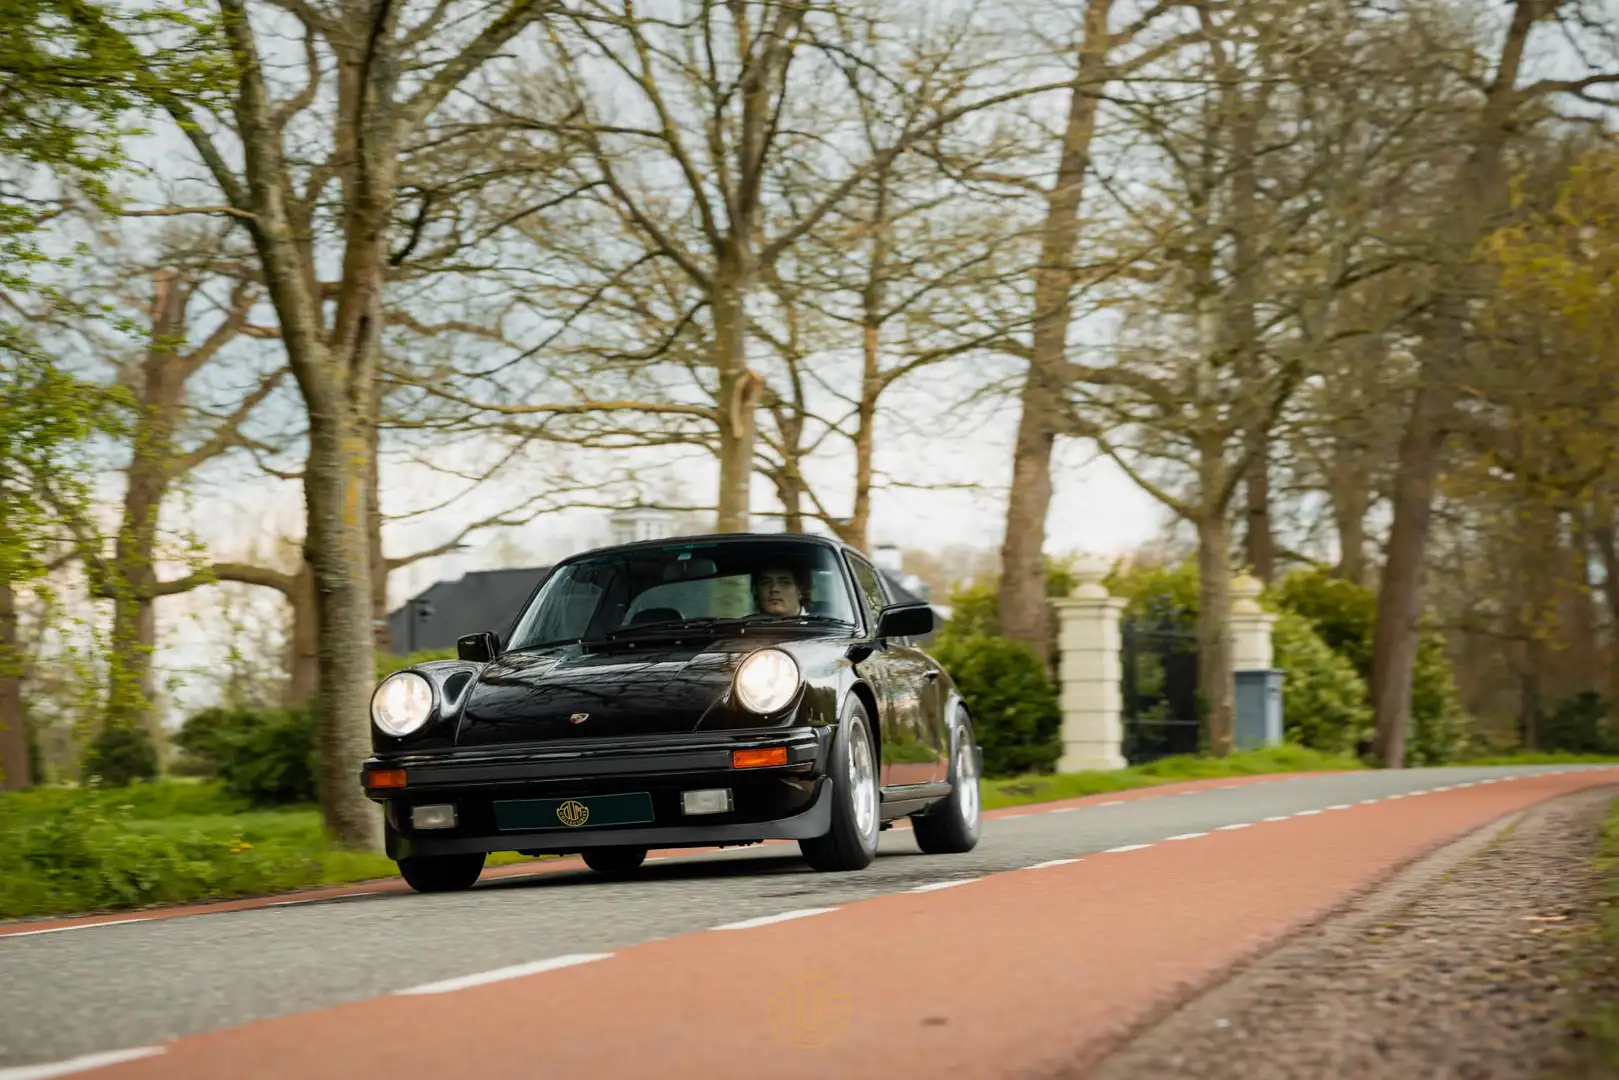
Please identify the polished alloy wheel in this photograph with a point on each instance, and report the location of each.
(967, 780)
(862, 780)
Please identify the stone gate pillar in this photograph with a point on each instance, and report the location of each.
(1258, 719)
(1089, 672)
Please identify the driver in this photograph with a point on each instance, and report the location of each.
(781, 590)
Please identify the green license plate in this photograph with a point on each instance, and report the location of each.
(582, 812)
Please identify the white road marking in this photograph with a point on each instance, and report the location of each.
(1063, 810)
(1277, 817)
(1113, 802)
(1305, 813)
(937, 885)
(1368, 802)
(516, 971)
(78, 1064)
(1235, 825)
(1339, 806)
(766, 920)
(75, 926)
(1187, 836)
(1052, 862)
(1009, 817)
(1127, 847)
(1394, 796)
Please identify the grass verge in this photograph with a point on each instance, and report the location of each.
(1538, 758)
(1023, 790)
(67, 850)
(1595, 1019)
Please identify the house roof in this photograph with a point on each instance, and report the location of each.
(448, 610)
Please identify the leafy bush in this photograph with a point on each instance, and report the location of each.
(266, 757)
(1578, 725)
(1324, 703)
(1154, 590)
(1011, 698)
(120, 754)
(387, 663)
(1344, 614)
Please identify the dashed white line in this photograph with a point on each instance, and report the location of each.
(935, 886)
(1009, 817)
(516, 971)
(1276, 817)
(1126, 847)
(1113, 802)
(1305, 813)
(1063, 810)
(78, 1064)
(1052, 862)
(1234, 826)
(1187, 836)
(75, 926)
(766, 920)
(1339, 806)
(1398, 796)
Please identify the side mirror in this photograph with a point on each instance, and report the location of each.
(480, 648)
(906, 620)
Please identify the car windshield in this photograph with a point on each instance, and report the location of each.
(667, 585)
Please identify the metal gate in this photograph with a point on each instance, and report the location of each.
(1161, 713)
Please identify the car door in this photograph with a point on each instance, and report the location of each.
(908, 758)
(916, 680)
(878, 670)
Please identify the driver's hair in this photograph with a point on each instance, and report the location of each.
(801, 578)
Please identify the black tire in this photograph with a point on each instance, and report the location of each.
(951, 826)
(614, 860)
(851, 842)
(442, 873)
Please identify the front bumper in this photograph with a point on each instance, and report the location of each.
(791, 801)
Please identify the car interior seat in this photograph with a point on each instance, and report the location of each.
(654, 615)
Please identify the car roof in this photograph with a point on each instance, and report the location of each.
(713, 538)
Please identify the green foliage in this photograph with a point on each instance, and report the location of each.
(976, 610)
(387, 663)
(1158, 590)
(1343, 613)
(265, 757)
(1011, 698)
(120, 754)
(1578, 725)
(1324, 698)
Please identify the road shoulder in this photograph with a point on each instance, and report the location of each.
(1460, 965)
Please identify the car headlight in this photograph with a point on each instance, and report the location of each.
(766, 681)
(402, 703)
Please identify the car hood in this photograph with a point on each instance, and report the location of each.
(639, 688)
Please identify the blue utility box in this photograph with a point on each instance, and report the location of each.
(1259, 709)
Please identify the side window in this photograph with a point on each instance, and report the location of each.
(870, 588)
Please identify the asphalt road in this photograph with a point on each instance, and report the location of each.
(102, 988)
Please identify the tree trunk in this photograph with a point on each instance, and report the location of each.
(1043, 404)
(865, 436)
(1259, 543)
(1215, 681)
(739, 389)
(373, 523)
(15, 773)
(1349, 515)
(303, 645)
(1602, 535)
(1399, 597)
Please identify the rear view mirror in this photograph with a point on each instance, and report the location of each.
(906, 620)
(479, 648)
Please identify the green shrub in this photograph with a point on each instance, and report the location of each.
(266, 757)
(1323, 698)
(387, 663)
(119, 755)
(1578, 725)
(1011, 698)
(1158, 591)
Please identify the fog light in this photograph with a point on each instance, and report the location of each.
(709, 801)
(433, 817)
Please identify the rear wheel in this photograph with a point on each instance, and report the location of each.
(442, 873)
(614, 860)
(950, 827)
(851, 843)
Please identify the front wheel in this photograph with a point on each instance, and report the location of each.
(614, 861)
(950, 827)
(851, 843)
(442, 873)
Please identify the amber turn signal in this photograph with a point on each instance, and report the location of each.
(385, 778)
(754, 759)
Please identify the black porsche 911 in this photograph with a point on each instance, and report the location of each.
(700, 692)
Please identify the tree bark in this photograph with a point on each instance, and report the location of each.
(739, 389)
(1602, 535)
(15, 773)
(1479, 191)
(1349, 516)
(1216, 683)
(303, 644)
(1043, 403)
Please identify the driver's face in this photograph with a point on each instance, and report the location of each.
(777, 593)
